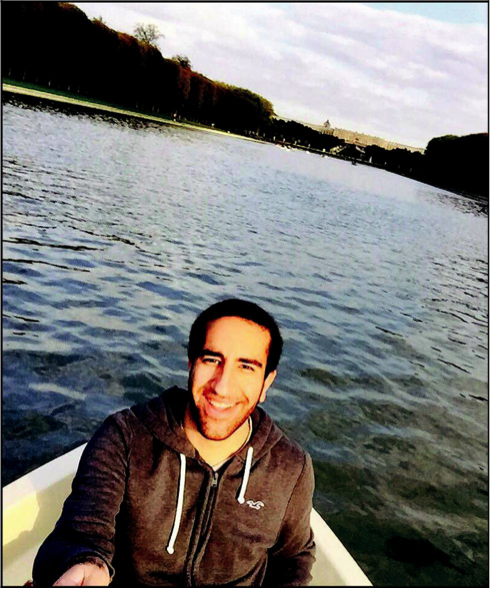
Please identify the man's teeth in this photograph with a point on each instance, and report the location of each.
(221, 405)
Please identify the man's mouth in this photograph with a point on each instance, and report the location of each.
(219, 408)
(219, 405)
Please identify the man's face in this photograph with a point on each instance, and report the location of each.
(226, 381)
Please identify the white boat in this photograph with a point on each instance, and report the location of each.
(32, 505)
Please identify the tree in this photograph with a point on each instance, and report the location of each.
(184, 61)
(459, 163)
(148, 33)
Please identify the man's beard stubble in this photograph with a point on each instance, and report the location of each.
(196, 416)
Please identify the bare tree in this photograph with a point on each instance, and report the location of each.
(148, 33)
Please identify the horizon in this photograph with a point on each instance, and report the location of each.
(404, 72)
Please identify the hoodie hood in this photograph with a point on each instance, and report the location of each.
(163, 418)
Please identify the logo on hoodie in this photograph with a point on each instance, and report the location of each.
(255, 504)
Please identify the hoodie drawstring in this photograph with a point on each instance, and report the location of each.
(248, 465)
(180, 498)
(180, 504)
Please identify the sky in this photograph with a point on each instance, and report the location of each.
(403, 71)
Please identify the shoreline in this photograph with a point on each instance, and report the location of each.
(87, 103)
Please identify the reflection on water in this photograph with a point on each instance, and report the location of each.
(118, 232)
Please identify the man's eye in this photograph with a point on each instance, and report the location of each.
(248, 367)
(210, 360)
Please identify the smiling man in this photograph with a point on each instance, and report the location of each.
(196, 487)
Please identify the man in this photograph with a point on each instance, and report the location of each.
(193, 488)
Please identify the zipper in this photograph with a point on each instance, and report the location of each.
(209, 508)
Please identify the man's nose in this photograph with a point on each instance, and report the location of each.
(222, 380)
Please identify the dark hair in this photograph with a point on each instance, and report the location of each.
(244, 310)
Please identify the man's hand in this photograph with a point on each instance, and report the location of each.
(84, 574)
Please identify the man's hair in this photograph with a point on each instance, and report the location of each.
(244, 310)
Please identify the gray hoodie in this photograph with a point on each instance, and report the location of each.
(145, 503)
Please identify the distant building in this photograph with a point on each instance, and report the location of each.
(360, 139)
(364, 140)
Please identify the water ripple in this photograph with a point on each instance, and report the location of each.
(113, 243)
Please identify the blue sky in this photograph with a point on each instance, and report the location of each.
(454, 12)
(406, 72)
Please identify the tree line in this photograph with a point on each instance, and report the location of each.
(55, 45)
(62, 49)
(455, 163)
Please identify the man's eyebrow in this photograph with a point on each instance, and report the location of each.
(207, 352)
(248, 361)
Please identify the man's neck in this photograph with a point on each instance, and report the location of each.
(215, 451)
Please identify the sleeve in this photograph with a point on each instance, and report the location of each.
(292, 557)
(86, 527)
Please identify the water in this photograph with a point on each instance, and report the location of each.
(117, 233)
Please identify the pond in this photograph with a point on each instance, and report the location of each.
(117, 233)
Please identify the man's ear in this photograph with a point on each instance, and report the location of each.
(267, 383)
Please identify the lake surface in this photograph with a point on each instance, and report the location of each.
(117, 233)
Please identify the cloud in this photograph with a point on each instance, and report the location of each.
(403, 76)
